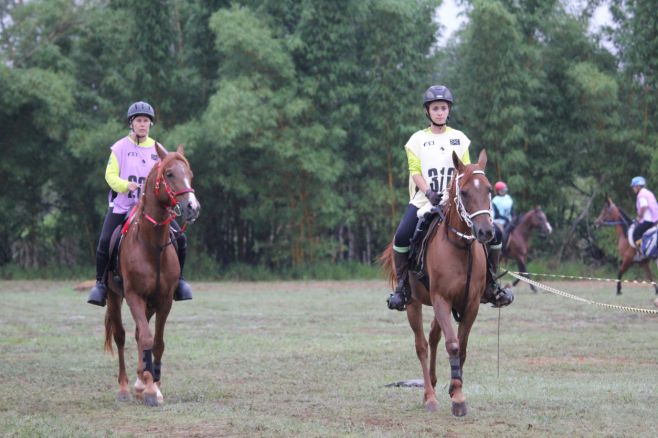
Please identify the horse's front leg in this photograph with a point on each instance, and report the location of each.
(415, 317)
(625, 264)
(144, 347)
(442, 313)
(158, 351)
(523, 268)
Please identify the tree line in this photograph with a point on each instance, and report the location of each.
(294, 116)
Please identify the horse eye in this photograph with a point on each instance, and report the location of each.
(170, 174)
(463, 193)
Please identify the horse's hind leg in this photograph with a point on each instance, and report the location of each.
(415, 317)
(119, 334)
(435, 336)
(647, 270)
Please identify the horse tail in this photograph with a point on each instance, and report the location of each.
(386, 260)
(109, 326)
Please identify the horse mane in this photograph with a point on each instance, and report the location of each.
(626, 218)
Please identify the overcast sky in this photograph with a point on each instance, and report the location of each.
(449, 16)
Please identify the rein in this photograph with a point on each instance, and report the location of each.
(466, 217)
(614, 223)
(173, 207)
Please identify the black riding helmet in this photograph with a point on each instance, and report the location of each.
(140, 109)
(434, 93)
(437, 92)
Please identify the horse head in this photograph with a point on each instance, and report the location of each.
(540, 221)
(610, 214)
(471, 192)
(173, 184)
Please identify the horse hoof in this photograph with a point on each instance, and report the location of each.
(459, 409)
(432, 406)
(123, 396)
(150, 399)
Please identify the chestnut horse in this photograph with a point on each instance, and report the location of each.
(611, 214)
(149, 267)
(518, 242)
(456, 263)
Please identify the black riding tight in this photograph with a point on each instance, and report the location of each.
(406, 229)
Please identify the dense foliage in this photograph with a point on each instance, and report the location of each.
(294, 115)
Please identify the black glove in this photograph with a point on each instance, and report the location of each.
(434, 198)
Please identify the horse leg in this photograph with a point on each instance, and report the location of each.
(460, 409)
(139, 384)
(522, 268)
(647, 269)
(158, 348)
(415, 317)
(625, 264)
(435, 336)
(144, 348)
(442, 313)
(113, 317)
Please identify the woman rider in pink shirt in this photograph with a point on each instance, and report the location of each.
(130, 162)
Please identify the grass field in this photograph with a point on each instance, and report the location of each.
(311, 359)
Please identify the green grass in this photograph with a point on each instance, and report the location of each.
(311, 359)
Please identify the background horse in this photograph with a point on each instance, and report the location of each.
(149, 267)
(611, 214)
(456, 263)
(518, 242)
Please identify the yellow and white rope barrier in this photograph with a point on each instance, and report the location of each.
(552, 290)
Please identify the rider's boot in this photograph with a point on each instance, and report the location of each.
(400, 297)
(98, 294)
(493, 293)
(183, 290)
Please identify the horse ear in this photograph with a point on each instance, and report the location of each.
(457, 162)
(181, 149)
(609, 200)
(482, 159)
(162, 152)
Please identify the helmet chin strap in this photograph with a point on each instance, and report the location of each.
(134, 132)
(434, 123)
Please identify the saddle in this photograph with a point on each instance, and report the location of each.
(649, 243)
(426, 227)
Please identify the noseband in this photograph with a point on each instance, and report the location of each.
(465, 215)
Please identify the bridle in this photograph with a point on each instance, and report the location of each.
(173, 207)
(465, 216)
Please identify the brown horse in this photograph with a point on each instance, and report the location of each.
(611, 214)
(149, 267)
(456, 263)
(518, 242)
